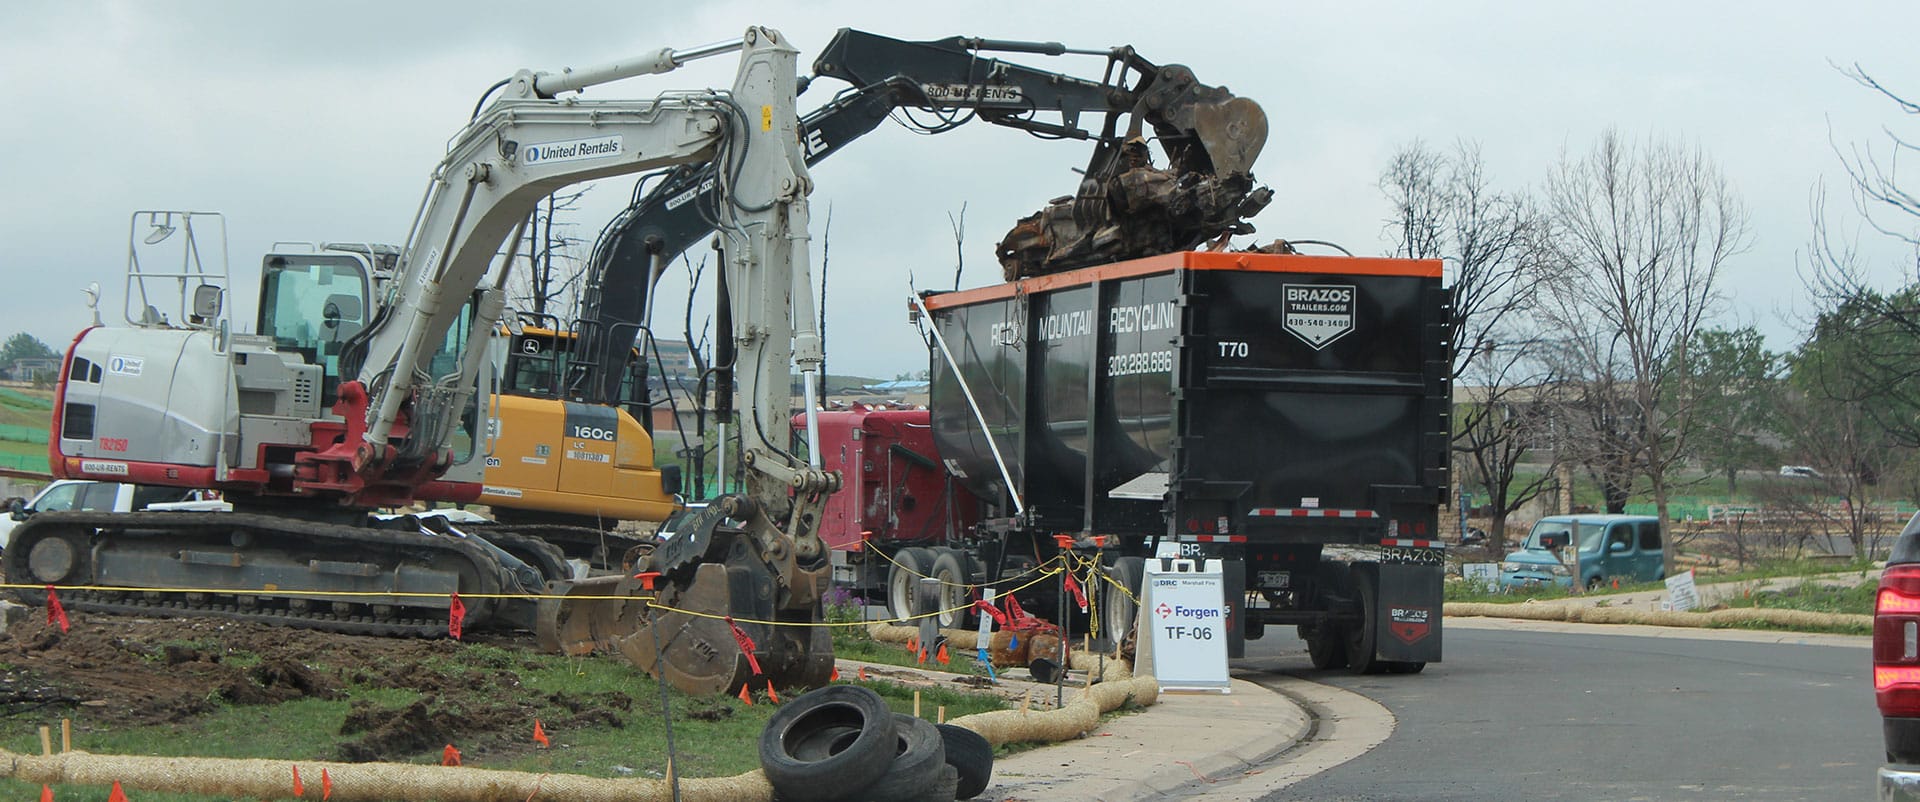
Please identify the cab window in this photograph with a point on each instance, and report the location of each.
(1649, 535)
(59, 498)
(311, 305)
(99, 496)
(1619, 535)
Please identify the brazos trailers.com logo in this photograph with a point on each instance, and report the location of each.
(1318, 313)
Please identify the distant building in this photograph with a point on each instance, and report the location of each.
(34, 369)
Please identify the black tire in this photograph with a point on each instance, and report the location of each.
(950, 568)
(825, 742)
(1119, 611)
(1363, 638)
(1405, 666)
(970, 755)
(946, 786)
(801, 724)
(1326, 646)
(909, 565)
(920, 760)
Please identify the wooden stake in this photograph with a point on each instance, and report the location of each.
(916, 704)
(1026, 703)
(46, 740)
(942, 718)
(66, 735)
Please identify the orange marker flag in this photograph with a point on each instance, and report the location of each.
(299, 788)
(540, 735)
(836, 675)
(913, 644)
(456, 617)
(770, 694)
(326, 786)
(746, 695)
(46, 793)
(117, 795)
(450, 756)
(943, 658)
(863, 673)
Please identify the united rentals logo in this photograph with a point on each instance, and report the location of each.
(1318, 313)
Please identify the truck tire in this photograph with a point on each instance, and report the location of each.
(1363, 638)
(969, 753)
(818, 721)
(1405, 666)
(909, 565)
(919, 760)
(1120, 609)
(950, 567)
(1326, 645)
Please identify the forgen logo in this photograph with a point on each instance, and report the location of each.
(1318, 313)
(1166, 610)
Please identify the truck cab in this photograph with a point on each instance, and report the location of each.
(83, 494)
(1599, 548)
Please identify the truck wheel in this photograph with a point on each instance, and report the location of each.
(1118, 609)
(1363, 637)
(909, 565)
(949, 567)
(1326, 646)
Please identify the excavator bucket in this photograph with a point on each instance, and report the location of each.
(710, 622)
(592, 613)
(1232, 132)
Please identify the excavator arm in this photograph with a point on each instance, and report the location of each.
(1203, 129)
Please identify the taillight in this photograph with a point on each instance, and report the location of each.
(1896, 642)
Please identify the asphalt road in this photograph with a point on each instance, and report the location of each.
(1584, 714)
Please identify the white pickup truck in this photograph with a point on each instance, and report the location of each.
(79, 494)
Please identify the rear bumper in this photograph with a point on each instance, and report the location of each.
(1899, 783)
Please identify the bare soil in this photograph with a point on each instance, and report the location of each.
(127, 672)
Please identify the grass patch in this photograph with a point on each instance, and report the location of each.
(602, 714)
(1813, 597)
(1468, 592)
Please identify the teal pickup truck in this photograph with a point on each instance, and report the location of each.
(1623, 547)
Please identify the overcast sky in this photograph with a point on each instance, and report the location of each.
(322, 121)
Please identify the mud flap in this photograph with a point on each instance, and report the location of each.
(1409, 615)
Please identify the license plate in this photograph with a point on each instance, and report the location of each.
(1275, 579)
(1403, 554)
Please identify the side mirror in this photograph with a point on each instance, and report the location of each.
(17, 508)
(1617, 547)
(206, 301)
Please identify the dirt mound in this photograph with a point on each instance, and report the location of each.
(113, 671)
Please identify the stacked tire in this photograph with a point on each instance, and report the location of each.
(841, 743)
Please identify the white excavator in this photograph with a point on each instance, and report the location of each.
(367, 385)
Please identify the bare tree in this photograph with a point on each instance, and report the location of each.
(1444, 207)
(547, 289)
(959, 239)
(1637, 238)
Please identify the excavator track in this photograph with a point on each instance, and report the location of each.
(252, 567)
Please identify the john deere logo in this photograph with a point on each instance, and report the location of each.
(1318, 313)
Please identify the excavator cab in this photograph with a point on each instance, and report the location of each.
(311, 305)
